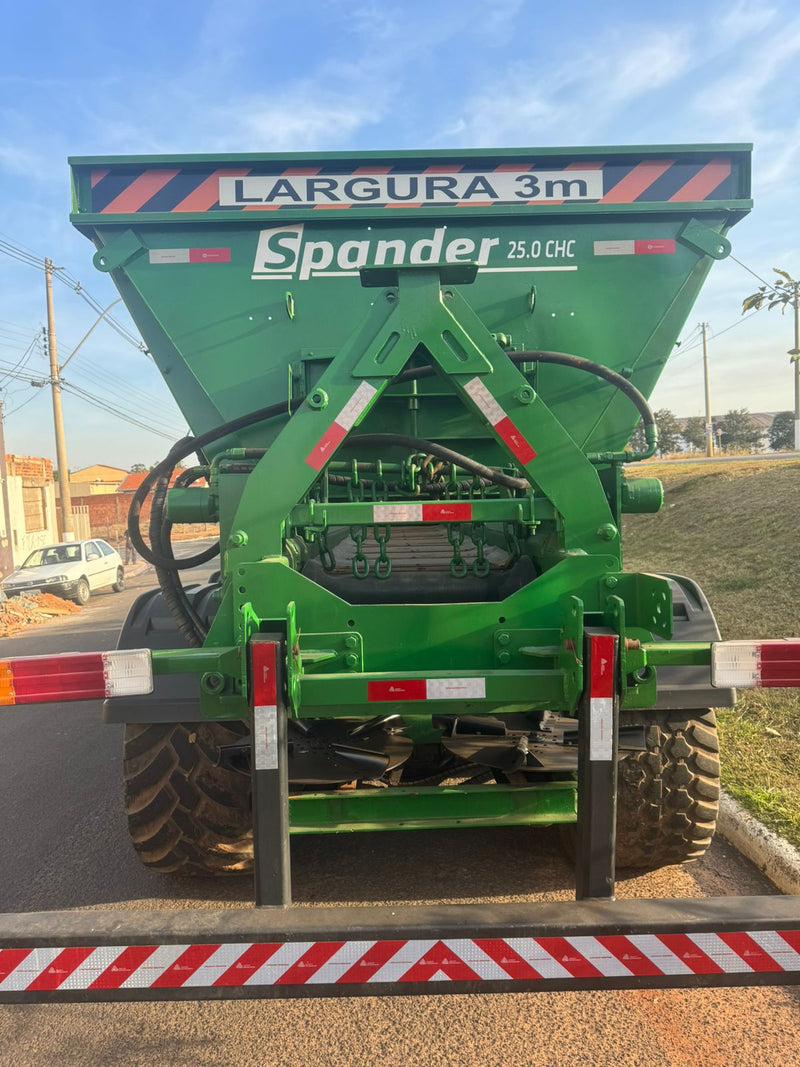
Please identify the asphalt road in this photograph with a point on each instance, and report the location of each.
(63, 844)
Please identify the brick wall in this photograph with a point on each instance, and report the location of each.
(108, 518)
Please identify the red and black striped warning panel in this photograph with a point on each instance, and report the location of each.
(122, 189)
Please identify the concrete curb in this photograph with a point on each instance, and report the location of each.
(776, 858)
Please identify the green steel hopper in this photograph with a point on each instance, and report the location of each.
(412, 379)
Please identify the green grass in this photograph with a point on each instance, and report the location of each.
(735, 529)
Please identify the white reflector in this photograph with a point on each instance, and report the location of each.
(129, 672)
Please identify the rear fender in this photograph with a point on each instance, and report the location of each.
(150, 625)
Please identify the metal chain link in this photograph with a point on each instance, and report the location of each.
(512, 541)
(326, 556)
(480, 566)
(359, 563)
(455, 535)
(382, 566)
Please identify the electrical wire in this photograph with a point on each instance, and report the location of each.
(63, 275)
(103, 406)
(714, 335)
(22, 361)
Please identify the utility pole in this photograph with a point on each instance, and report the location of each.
(6, 550)
(67, 531)
(709, 427)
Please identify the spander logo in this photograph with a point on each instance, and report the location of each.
(283, 253)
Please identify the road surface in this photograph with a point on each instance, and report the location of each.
(64, 845)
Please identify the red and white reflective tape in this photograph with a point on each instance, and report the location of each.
(601, 696)
(447, 512)
(190, 255)
(355, 963)
(654, 246)
(341, 425)
(756, 664)
(76, 676)
(263, 662)
(497, 418)
(427, 689)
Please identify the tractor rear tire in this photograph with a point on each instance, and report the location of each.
(668, 795)
(188, 806)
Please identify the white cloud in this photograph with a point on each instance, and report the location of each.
(575, 98)
(741, 20)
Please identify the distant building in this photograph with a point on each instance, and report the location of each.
(31, 506)
(95, 480)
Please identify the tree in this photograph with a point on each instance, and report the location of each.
(694, 433)
(784, 293)
(781, 433)
(138, 468)
(669, 431)
(637, 442)
(739, 431)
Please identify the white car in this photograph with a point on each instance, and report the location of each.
(72, 569)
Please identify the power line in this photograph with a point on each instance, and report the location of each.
(24, 256)
(23, 360)
(715, 334)
(103, 406)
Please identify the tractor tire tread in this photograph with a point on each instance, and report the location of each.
(189, 812)
(668, 795)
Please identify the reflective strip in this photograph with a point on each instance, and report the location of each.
(189, 255)
(341, 425)
(263, 660)
(357, 963)
(355, 405)
(496, 417)
(265, 737)
(264, 686)
(397, 513)
(448, 512)
(486, 403)
(649, 246)
(601, 697)
(427, 689)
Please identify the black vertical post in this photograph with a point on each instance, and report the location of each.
(598, 730)
(271, 858)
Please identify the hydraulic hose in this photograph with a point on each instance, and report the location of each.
(188, 621)
(566, 359)
(495, 476)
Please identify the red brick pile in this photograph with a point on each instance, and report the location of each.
(20, 611)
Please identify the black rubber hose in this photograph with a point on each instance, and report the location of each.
(180, 450)
(180, 607)
(565, 359)
(561, 359)
(494, 476)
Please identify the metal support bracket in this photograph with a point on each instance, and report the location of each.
(598, 727)
(271, 857)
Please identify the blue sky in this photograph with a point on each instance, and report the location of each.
(336, 75)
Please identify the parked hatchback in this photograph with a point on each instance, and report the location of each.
(72, 569)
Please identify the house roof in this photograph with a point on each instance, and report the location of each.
(131, 482)
(98, 472)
